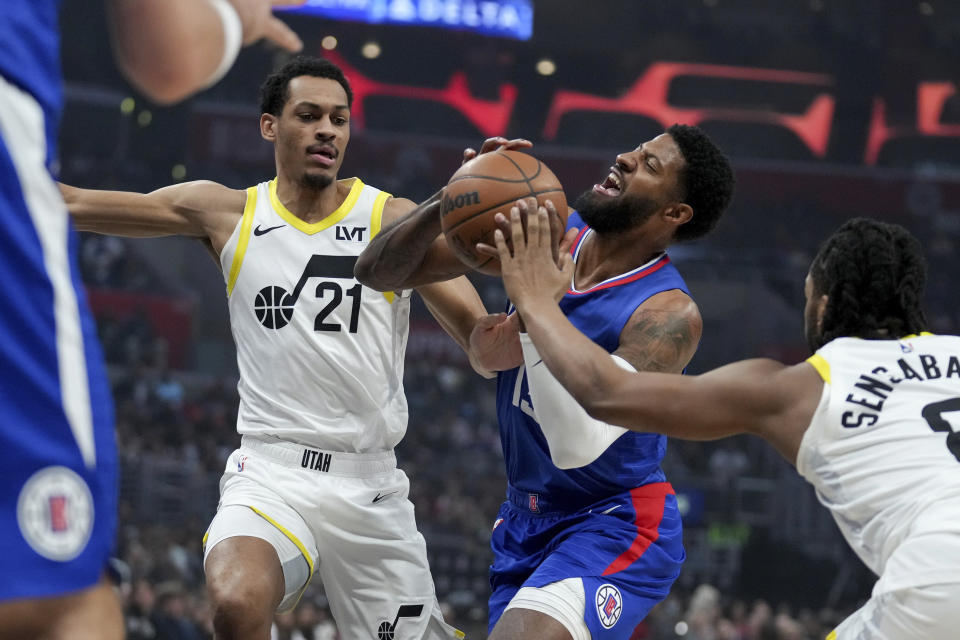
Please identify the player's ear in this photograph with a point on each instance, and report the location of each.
(678, 213)
(268, 127)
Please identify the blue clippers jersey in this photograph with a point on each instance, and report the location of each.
(634, 459)
(30, 56)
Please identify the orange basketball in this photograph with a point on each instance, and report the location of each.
(489, 183)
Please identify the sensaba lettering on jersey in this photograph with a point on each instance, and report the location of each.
(871, 391)
(316, 460)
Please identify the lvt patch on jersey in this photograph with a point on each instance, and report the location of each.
(609, 605)
(55, 513)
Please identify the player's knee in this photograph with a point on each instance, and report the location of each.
(242, 599)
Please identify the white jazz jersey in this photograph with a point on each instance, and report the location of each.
(883, 452)
(320, 355)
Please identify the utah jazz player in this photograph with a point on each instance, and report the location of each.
(58, 504)
(314, 487)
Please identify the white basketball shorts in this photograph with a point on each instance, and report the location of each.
(346, 517)
(929, 612)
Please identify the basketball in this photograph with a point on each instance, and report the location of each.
(489, 183)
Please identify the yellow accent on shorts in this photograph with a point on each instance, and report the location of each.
(917, 335)
(245, 224)
(376, 222)
(311, 228)
(832, 635)
(821, 365)
(293, 538)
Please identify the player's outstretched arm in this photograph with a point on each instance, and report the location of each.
(200, 209)
(410, 250)
(763, 397)
(172, 48)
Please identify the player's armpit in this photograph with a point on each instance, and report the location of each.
(662, 334)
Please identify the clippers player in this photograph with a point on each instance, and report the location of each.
(314, 487)
(589, 538)
(58, 505)
(872, 419)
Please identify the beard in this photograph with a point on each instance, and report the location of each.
(315, 181)
(614, 215)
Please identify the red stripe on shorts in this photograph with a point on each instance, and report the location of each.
(648, 502)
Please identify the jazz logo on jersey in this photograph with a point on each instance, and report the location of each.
(55, 513)
(609, 605)
(273, 305)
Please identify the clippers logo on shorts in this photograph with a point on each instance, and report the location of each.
(274, 306)
(55, 513)
(532, 503)
(609, 605)
(316, 460)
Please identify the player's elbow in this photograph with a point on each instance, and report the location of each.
(366, 272)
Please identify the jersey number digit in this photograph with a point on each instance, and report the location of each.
(354, 292)
(933, 414)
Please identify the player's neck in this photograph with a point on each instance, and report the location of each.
(308, 203)
(606, 256)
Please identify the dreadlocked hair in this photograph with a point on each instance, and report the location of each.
(874, 276)
(707, 180)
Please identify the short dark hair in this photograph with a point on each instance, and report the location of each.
(707, 180)
(873, 274)
(274, 90)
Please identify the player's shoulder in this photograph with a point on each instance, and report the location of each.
(205, 195)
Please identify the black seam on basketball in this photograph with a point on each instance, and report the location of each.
(494, 178)
(500, 204)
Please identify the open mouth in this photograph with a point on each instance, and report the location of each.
(326, 155)
(612, 185)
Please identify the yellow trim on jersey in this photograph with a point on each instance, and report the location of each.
(244, 239)
(460, 634)
(376, 221)
(917, 335)
(832, 635)
(311, 228)
(206, 534)
(821, 365)
(294, 540)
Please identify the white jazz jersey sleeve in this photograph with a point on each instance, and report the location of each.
(883, 452)
(320, 355)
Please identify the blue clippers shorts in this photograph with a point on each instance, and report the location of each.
(627, 550)
(57, 448)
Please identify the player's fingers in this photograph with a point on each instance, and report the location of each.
(517, 143)
(279, 33)
(503, 252)
(543, 222)
(516, 230)
(287, 3)
(469, 154)
(533, 227)
(492, 143)
(568, 239)
(486, 250)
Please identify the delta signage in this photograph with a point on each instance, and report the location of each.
(504, 18)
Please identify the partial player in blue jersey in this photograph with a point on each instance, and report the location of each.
(59, 487)
(589, 538)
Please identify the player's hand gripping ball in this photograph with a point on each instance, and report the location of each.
(490, 183)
